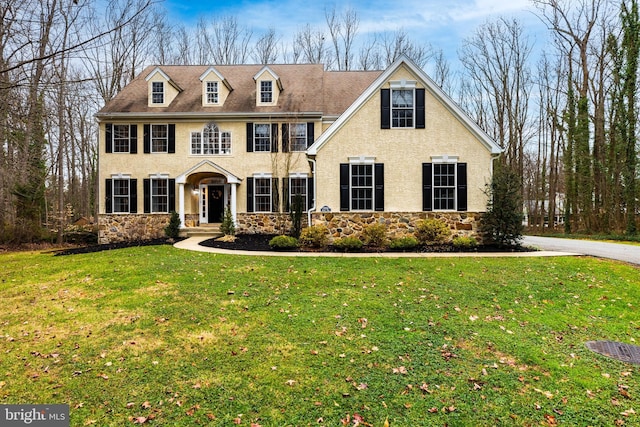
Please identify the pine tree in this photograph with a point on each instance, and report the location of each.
(502, 223)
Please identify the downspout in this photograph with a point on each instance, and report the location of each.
(315, 190)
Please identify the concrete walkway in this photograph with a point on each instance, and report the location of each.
(192, 244)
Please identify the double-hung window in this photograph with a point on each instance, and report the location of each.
(157, 92)
(160, 195)
(262, 194)
(266, 91)
(402, 104)
(262, 137)
(212, 92)
(121, 138)
(298, 136)
(444, 186)
(298, 186)
(120, 196)
(159, 139)
(361, 187)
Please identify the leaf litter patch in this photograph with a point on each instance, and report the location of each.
(616, 350)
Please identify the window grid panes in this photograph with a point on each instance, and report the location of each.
(298, 186)
(157, 92)
(361, 187)
(298, 136)
(196, 143)
(211, 139)
(225, 143)
(262, 194)
(212, 92)
(121, 195)
(444, 186)
(402, 108)
(160, 195)
(266, 91)
(121, 138)
(262, 137)
(159, 138)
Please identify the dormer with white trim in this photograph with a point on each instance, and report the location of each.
(161, 89)
(268, 87)
(215, 88)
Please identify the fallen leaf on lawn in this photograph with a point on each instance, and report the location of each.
(130, 405)
(547, 394)
(104, 376)
(590, 394)
(361, 386)
(237, 421)
(290, 383)
(363, 322)
(139, 420)
(146, 405)
(551, 420)
(400, 370)
(615, 402)
(473, 318)
(628, 412)
(433, 410)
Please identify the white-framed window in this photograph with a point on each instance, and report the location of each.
(120, 195)
(266, 91)
(361, 179)
(210, 141)
(298, 136)
(159, 138)
(212, 92)
(262, 194)
(444, 186)
(261, 137)
(159, 195)
(298, 185)
(157, 92)
(402, 108)
(121, 138)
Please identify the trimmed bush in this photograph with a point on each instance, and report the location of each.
(464, 243)
(432, 231)
(283, 243)
(348, 244)
(228, 228)
(408, 243)
(316, 236)
(172, 230)
(375, 235)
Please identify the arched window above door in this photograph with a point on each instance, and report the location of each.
(210, 141)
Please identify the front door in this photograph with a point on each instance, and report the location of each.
(215, 203)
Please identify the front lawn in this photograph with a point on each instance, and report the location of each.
(166, 337)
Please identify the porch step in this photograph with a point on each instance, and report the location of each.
(206, 230)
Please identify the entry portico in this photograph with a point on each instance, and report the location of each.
(212, 187)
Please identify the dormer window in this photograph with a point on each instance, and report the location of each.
(157, 92)
(266, 91)
(212, 92)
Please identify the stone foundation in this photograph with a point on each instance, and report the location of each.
(341, 224)
(127, 227)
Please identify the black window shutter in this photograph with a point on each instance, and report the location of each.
(147, 138)
(250, 139)
(249, 194)
(146, 189)
(385, 108)
(274, 137)
(310, 134)
(172, 195)
(108, 193)
(108, 137)
(133, 139)
(379, 186)
(133, 196)
(310, 193)
(285, 194)
(172, 138)
(275, 200)
(427, 187)
(462, 186)
(420, 114)
(344, 187)
(285, 138)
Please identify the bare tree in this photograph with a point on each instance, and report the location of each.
(310, 44)
(265, 50)
(343, 30)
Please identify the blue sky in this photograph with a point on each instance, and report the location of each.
(443, 24)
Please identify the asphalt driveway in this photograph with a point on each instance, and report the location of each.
(617, 251)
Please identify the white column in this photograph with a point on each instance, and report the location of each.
(181, 203)
(233, 202)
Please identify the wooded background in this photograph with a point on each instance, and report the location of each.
(566, 117)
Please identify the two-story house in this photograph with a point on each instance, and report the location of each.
(358, 146)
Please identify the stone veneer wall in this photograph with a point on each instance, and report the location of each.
(126, 227)
(341, 224)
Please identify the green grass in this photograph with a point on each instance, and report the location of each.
(184, 338)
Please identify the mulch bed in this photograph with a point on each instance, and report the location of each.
(119, 245)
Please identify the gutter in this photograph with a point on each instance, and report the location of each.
(315, 192)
